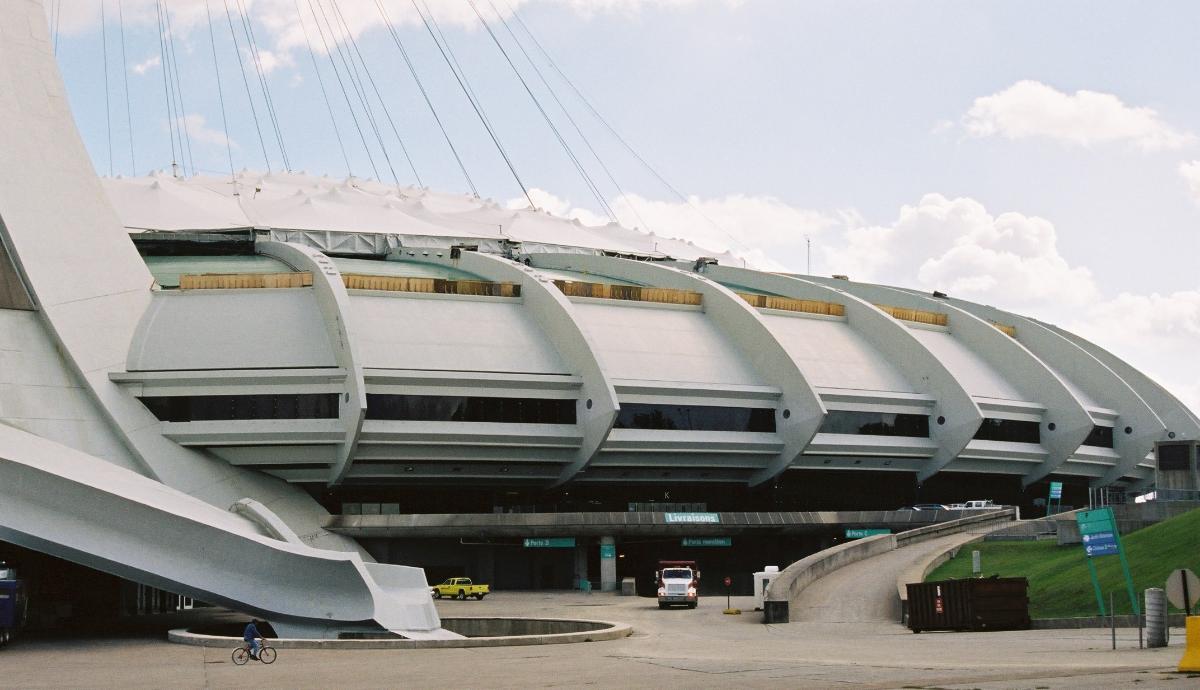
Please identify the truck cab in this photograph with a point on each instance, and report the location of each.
(678, 583)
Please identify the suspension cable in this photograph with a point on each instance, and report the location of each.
(246, 82)
(386, 112)
(212, 40)
(125, 78)
(424, 94)
(335, 34)
(342, 85)
(187, 137)
(107, 107)
(324, 94)
(476, 106)
(172, 125)
(595, 113)
(56, 16)
(567, 113)
(248, 29)
(587, 179)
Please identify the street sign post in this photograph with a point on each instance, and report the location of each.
(1055, 496)
(1183, 589)
(1098, 529)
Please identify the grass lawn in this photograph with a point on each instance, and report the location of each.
(1059, 584)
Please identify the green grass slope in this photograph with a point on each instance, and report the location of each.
(1059, 583)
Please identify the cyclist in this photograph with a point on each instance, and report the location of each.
(252, 636)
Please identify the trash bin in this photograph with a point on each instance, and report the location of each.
(993, 603)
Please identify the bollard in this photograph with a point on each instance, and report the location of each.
(1156, 618)
(1190, 663)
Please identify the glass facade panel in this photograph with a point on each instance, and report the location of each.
(695, 418)
(875, 424)
(1010, 430)
(209, 408)
(1173, 457)
(454, 408)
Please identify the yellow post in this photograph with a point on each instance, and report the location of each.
(1191, 654)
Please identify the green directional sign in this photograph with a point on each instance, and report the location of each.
(550, 543)
(608, 550)
(1055, 489)
(1098, 532)
(860, 533)
(692, 518)
(708, 541)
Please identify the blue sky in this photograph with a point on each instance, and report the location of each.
(1031, 155)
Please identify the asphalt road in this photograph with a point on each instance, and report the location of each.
(677, 648)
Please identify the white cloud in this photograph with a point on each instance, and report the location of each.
(1155, 333)
(958, 247)
(147, 64)
(1190, 171)
(1085, 118)
(198, 130)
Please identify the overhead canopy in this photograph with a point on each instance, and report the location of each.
(352, 215)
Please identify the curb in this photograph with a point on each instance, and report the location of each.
(604, 630)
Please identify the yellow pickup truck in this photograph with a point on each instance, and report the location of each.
(460, 588)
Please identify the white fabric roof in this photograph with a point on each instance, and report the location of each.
(415, 216)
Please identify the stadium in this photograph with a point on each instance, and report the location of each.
(210, 382)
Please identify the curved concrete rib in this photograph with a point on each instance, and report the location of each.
(1093, 378)
(743, 325)
(334, 304)
(87, 277)
(919, 366)
(69, 504)
(554, 313)
(1180, 420)
(1037, 382)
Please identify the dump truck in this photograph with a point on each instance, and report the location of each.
(460, 588)
(678, 583)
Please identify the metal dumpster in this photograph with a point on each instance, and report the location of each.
(993, 603)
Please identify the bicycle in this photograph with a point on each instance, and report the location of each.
(266, 654)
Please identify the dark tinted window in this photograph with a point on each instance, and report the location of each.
(1101, 436)
(694, 418)
(1173, 457)
(207, 408)
(875, 424)
(1009, 430)
(454, 408)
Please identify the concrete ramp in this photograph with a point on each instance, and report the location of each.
(69, 504)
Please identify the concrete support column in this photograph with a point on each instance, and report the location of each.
(608, 564)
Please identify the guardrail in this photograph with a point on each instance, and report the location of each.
(799, 575)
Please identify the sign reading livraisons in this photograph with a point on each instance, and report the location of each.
(550, 542)
(860, 533)
(708, 541)
(1098, 531)
(692, 518)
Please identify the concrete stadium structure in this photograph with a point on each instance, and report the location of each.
(283, 379)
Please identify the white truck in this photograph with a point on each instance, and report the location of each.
(975, 505)
(678, 583)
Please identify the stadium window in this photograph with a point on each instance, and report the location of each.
(456, 408)
(1010, 430)
(1173, 456)
(695, 418)
(875, 424)
(1101, 437)
(212, 408)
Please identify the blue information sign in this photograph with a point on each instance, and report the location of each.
(1055, 489)
(708, 541)
(608, 550)
(692, 518)
(1100, 544)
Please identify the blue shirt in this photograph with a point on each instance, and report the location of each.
(251, 633)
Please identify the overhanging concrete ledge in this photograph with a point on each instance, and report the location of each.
(577, 631)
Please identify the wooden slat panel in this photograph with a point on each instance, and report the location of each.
(805, 306)
(439, 286)
(916, 315)
(629, 293)
(1010, 331)
(229, 281)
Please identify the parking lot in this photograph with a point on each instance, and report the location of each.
(677, 648)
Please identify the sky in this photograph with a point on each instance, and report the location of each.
(1040, 157)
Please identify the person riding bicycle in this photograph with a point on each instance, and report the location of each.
(252, 636)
